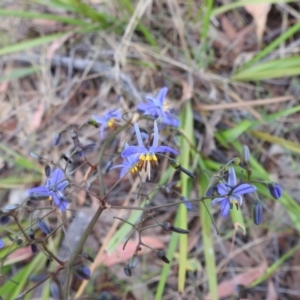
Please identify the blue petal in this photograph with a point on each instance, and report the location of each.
(113, 113)
(124, 170)
(225, 208)
(60, 203)
(63, 205)
(163, 149)
(156, 136)
(99, 120)
(57, 176)
(222, 189)
(217, 200)
(237, 198)
(170, 120)
(162, 95)
(131, 150)
(1, 243)
(231, 177)
(41, 191)
(155, 102)
(145, 106)
(62, 185)
(244, 188)
(138, 135)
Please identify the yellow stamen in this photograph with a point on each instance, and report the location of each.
(111, 123)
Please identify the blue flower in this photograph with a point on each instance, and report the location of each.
(128, 164)
(53, 189)
(146, 156)
(158, 107)
(108, 120)
(231, 192)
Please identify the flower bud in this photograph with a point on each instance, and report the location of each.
(10, 208)
(161, 254)
(187, 204)
(133, 262)
(4, 219)
(83, 272)
(210, 191)
(47, 171)
(34, 248)
(246, 155)
(127, 271)
(170, 227)
(43, 226)
(257, 213)
(275, 190)
(66, 158)
(1, 243)
(35, 155)
(57, 138)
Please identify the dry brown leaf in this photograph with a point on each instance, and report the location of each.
(228, 287)
(121, 255)
(228, 28)
(259, 12)
(37, 118)
(21, 254)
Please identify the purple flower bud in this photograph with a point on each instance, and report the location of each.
(161, 254)
(43, 226)
(57, 138)
(127, 271)
(257, 213)
(275, 190)
(4, 219)
(10, 208)
(47, 171)
(34, 248)
(83, 272)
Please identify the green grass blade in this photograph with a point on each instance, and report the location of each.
(18, 73)
(21, 46)
(188, 128)
(276, 43)
(206, 224)
(275, 266)
(34, 15)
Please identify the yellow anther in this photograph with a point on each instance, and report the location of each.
(111, 123)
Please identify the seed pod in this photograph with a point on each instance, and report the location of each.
(83, 272)
(43, 226)
(275, 190)
(166, 225)
(257, 213)
(19, 241)
(161, 254)
(31, 233)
